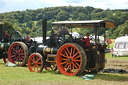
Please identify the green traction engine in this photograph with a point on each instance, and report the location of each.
(14, 47)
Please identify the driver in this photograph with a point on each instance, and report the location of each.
(87, 40)
(6, 36)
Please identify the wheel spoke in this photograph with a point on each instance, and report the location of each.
(33, 60)
(13, 56)
(21, 58)
(20, 49)
(68, 51)
(17, 48)
(39, 68)
(63, 63)
(38, 59)
(73, 68)
(64, 56)
(77, 60)
(75, 54)
(39, 63)
(77, 64)
(18, 60)
(76, 57)
(71, 52)
(14, 50)
(21, 54)
(67, 68)
(70, 68)
(64, 59)
(33, 68)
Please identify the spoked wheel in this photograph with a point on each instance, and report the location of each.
(35, 62)
(18, 53)
(15, 36)
(71, 59)
(52, 67)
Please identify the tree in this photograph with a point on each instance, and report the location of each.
(121, 30)
(75, 15)
(61, 16)
(8, 26)
(82, 16)
(97, 10)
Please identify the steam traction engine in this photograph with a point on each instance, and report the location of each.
(15, 47)
(3, 46)
(67, 53)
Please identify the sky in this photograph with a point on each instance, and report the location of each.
(20, 5)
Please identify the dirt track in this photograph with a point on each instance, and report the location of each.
(117, 64)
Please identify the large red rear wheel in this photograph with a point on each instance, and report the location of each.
(71, 59)
(35, 62)
(18, 53)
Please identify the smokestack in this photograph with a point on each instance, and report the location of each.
(44, 29)
(1, 31)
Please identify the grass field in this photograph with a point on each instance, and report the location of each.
(22, 75)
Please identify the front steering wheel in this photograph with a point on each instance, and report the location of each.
(15, 36)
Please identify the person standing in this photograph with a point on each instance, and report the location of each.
(112, 52)
(87, 40)
(6, 36)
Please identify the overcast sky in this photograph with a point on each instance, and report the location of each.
(19, 5)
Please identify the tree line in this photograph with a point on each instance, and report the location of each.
(29, 22)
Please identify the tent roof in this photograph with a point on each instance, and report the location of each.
(87, 24)
(122, 39)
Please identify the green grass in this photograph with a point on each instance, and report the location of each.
(111, 45)
(111, 77)
(108, 55)
(22, 76)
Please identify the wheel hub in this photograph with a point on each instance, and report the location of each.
(17, 54)
(69, 60)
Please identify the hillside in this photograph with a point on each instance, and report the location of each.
(29, 22)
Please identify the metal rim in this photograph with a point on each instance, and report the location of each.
(18, 53)
(70, 59)
(35, 62)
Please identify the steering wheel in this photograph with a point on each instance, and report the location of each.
(15, 36)
(64, 38)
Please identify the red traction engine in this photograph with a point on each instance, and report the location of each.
(67, 53)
